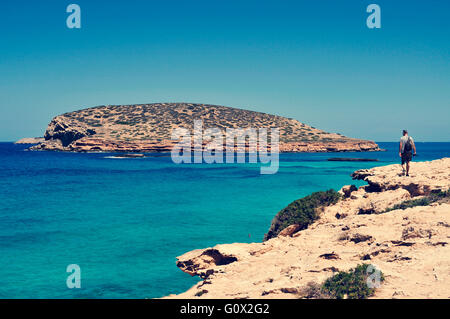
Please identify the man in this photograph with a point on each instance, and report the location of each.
(405, 150)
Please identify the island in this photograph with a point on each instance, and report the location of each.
(348, 159)
(148, 128)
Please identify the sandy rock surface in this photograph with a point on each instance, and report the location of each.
(411, 246)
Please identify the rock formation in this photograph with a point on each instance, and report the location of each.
(426, 177)
(410, 246)
(30, 140)
(148, 128)
(343, 159)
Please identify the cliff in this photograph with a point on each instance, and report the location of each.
(399, 224)
(148, 128)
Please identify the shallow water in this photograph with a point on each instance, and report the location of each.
(124, 221)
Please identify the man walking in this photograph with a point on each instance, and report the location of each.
(406, 149)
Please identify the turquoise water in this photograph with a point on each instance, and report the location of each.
(123, 221)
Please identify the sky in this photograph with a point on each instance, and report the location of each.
(315, 61)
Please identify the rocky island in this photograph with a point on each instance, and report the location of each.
(399, 224)
(148, 128)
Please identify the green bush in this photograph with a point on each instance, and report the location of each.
(302, 211)
(424, 201)
(351, 284)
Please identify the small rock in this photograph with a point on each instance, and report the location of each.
(347, 190)
(201, 292)
(358, 238)
(410, 232)
(332, 255)
(289, 290)
(340, 215)
(290, 230)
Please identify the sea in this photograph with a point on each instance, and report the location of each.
(124, 221)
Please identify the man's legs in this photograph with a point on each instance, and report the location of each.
(403, 164)
(406, 158)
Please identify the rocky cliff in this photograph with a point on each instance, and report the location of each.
(148, 127)
(399, 224)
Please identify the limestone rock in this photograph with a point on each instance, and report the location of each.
(290, 230)
(409, 246)
(425, 177)
(347, 190)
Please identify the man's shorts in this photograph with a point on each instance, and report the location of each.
(406, 157)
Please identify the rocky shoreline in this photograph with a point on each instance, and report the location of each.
(31, 140)
(409, 243)
(101, 145)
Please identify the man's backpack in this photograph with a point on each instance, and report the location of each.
(408, 145)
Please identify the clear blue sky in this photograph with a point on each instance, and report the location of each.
(315, 61)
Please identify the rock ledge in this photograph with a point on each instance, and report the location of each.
(410, 246)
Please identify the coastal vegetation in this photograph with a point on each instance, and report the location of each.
(302, 212)
(352, 284)
(423, 201)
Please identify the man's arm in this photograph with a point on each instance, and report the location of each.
(400, 149)
(414, 146)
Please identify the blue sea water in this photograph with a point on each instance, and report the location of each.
(123, 221)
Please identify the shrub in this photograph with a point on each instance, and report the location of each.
(440, 195)
(424, 201)
(314, 291)
(302, 211)
(351, 284)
